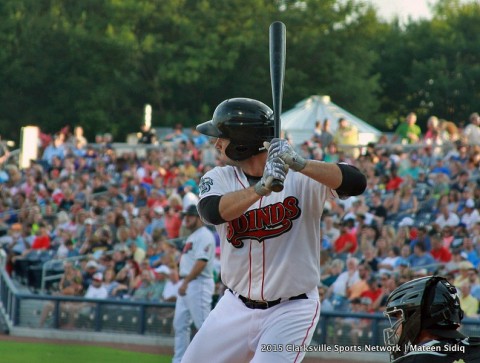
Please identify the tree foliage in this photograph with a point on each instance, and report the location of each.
(98, 62)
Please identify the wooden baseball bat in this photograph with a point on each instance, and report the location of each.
(278, 51)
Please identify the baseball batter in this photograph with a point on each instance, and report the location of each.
(270, 242)
(195, 293)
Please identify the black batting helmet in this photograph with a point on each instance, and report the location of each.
(245, 122)
(428, 303)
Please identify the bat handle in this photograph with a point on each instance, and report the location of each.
(277, 185)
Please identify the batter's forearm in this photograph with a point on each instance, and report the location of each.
(328, 174)
(233, 205)
(345, 179)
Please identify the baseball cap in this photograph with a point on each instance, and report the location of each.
(92, 264)
(159, 210)
(190, 211)
(406, 222)
(98, 276)
(469, 203)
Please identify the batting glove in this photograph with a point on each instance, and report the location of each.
(275, 169)
(281, 148)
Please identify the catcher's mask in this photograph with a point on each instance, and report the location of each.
(247, 123)
(429, 303)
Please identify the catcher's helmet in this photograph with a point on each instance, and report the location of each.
(245, 122)
(429, 303)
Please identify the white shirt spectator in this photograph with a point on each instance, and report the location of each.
(96, 290)
(452, 220)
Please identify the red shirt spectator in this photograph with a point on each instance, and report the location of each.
(439, 251)
(347, 241)
(41, 243)
(173, 222)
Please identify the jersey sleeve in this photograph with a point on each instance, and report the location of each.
(204, 247)
(212, 183)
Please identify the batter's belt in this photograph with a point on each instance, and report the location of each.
(263, 304)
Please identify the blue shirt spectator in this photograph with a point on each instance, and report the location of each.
(421, 258)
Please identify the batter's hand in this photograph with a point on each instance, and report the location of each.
(281, 148)
(275, 168)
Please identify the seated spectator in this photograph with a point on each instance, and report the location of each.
(468, 303)
(446, 218)
(422, 258)
(374, 292)
(422, 236)
(147, 290)
(337, 292)
(470, 216)
(377, 209)
(331, 272)
(358, 287)
(91, 267)
(370, 259)
(439, 252)
(347, 241)
(462, 278)
(96, 289)
(404, 201)
(70, 285)
(329, 231)
(389, 263)
(470, 249)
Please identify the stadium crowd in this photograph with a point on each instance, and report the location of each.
(114, 220)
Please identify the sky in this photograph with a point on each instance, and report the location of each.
(403, 8)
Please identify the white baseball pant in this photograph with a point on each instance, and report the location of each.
(234, 333)
(194, 306)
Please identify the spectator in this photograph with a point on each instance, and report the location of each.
(55, 149)
(446, 218)
(424, 237)
(96, 289)
(408, 132)
(439, 252)
(421, 258)
(347, 241)
(472, 131)
(373, 293)
(331, 272)
(470, 216)
(326, 137)
(389, 263)
(361, 285)
(337, 292)
(468, 303)
(346, 137)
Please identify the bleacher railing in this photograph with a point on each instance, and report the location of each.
(120, 316)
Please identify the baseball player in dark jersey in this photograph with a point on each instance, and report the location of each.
(424, 316)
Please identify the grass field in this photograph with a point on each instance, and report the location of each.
(14, 352)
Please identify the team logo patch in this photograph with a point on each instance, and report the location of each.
(205, 185)
(267, 222)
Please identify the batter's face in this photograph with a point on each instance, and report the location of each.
(220, 146)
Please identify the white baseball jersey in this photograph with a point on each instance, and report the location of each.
(199, 245)
(273, 250)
